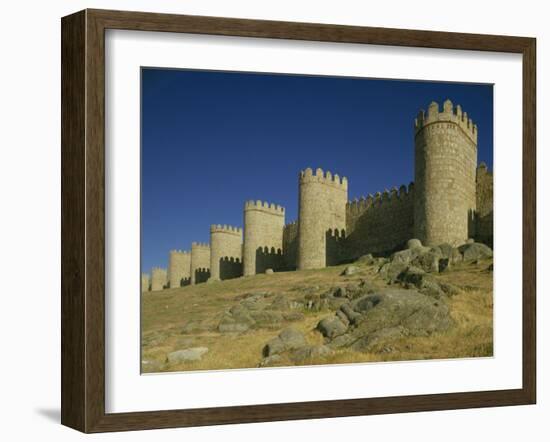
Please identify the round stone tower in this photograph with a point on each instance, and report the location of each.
(225, 252)
(445, 175)
(158, 279)
(200, 262)
(145, 283)
(263, 237)
(322, 212)
(179, 268)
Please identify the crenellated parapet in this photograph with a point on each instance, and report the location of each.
(180, 252)
(392, 196)
(264, 206)
(326, 178)
(230, 230)
(482, 169)
(449, 114)
(200, 245)
(291, 225)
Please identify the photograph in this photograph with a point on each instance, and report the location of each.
(299, 220)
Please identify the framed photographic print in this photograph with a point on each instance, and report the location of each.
(270, 220)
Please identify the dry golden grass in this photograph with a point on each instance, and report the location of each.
(164, 315)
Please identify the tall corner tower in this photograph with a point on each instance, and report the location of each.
(322, 209)
(263, 237)
(445, 174)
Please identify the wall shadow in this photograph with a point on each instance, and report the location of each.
(201, 275)
(230, 268)
(472, 221)
(480, 227)
(269, 258)
(335, 246)
(182, 283)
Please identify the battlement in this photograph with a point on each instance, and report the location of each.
(218, 228)
(180, 252)
(388, 196)
(264, 206)
(482, 167)
(291, 229)
(200, 245)
(307, 176)
(449, 114)
(158, 269)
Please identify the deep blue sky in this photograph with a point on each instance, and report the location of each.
(212, 140)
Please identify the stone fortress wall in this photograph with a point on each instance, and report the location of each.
(263, 237)
(379, 223)
(159, 279)
(322, 218)
(484, 205)
(145, 282)
(225, 252)
(290, 245)
(450, 201)
(179, 268)
(200, 262)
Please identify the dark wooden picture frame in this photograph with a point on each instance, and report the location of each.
(83, 220)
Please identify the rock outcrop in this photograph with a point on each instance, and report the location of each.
(292, 345)
(186, 355)
(259, 310)
(385, 315)
(415, 265)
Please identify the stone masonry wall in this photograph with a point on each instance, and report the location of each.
(145, 283)
(484, 205)
(445, 175)
(322, 216)
(225, 252)
(290, 245)
(263, 237)
(179, 268)
(200, 262)
(159, 279)
(379, 224)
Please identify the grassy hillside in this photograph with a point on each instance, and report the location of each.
(188, 317)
